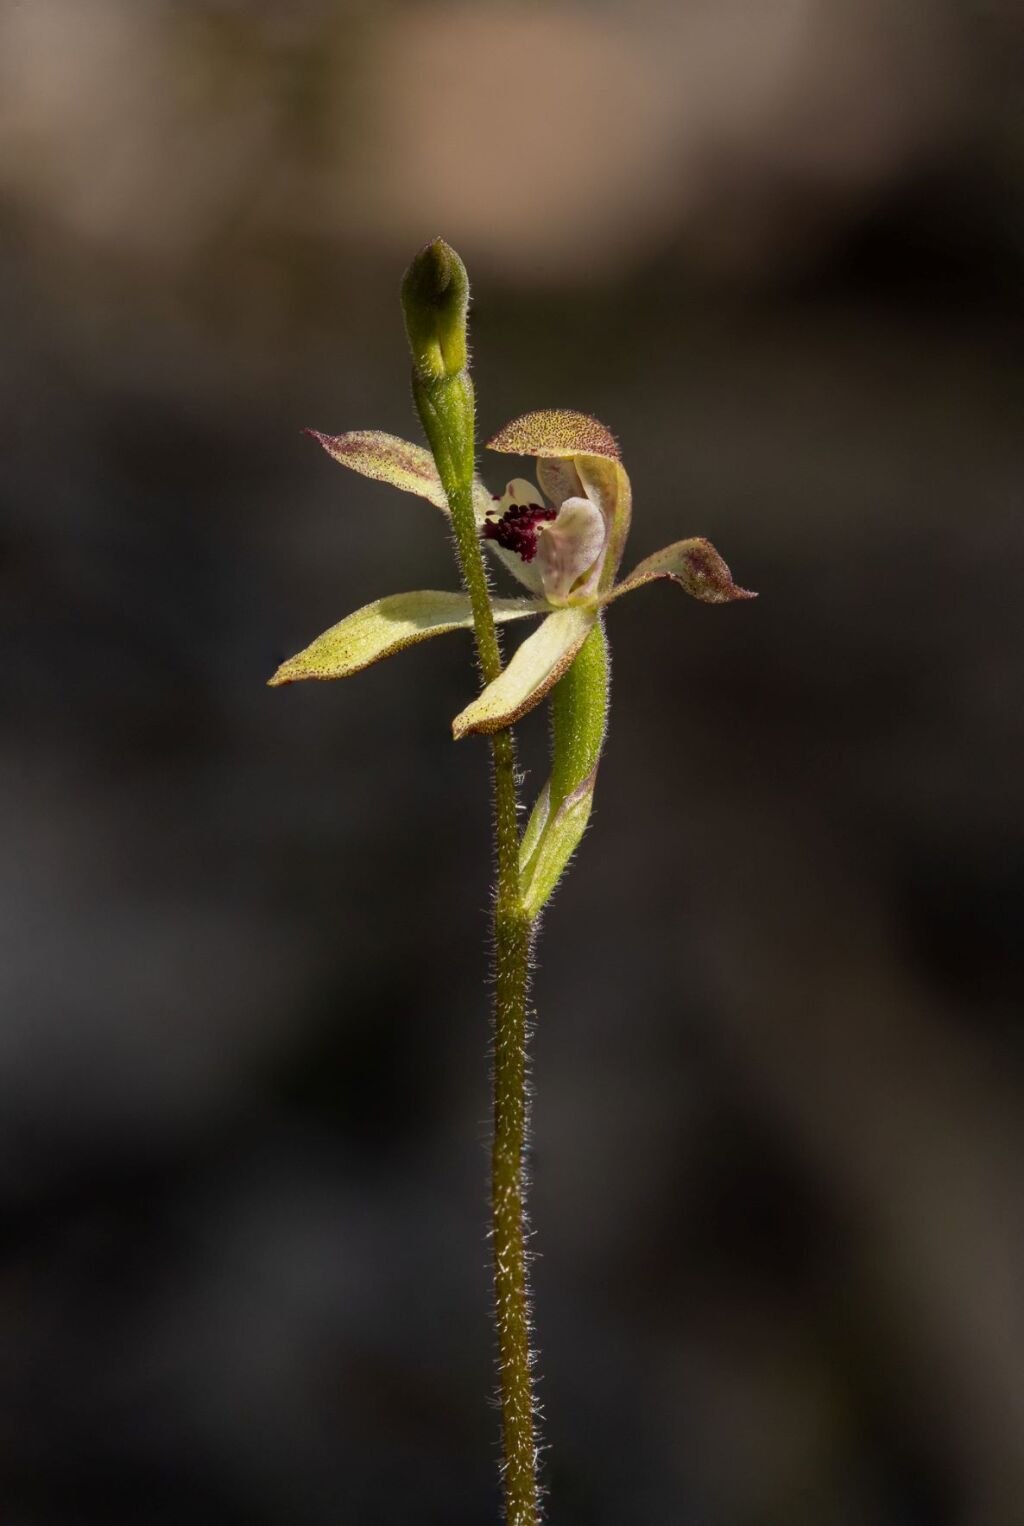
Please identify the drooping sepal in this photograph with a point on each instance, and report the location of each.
(534, 670)
(579, 706)
(695, 565)
(388, 626)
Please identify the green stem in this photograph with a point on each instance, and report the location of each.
(513, 935)
(447, 416)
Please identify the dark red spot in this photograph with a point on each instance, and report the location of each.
(516, 530)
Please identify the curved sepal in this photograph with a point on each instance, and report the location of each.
(695, 565)
(556, 432)
(607, 485)
(534, 670)
(388, 626)
(386, 458)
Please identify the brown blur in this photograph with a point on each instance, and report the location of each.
(777, 246)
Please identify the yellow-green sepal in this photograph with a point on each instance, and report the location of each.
(533, 672)
(386, 458)
(404, 465)
(388, 626)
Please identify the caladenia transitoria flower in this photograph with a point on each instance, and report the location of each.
(561, 535)
(562, 538)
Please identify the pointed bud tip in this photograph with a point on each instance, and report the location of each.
(433, 270)
(435, 299)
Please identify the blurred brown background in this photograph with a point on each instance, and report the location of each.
(777, 246)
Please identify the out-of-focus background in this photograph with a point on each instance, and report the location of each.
(777, 246)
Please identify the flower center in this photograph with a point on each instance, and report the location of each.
(516, 530)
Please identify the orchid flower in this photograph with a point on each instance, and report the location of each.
(562, 539)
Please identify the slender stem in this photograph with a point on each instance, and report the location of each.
(511, 1288)
(440, 410)
(578, 709)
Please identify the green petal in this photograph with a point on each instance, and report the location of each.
(387, 626)
(536, 667)
(695, 565)
(556, 432)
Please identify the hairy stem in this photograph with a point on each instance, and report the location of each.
(511, 1289)
(447, 417)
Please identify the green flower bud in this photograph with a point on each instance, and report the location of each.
(435, 299)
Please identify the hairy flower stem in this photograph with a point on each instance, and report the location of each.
(513, 936)
(511, 1289)
(446, 408)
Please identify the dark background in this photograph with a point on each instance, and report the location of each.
(777, 246)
